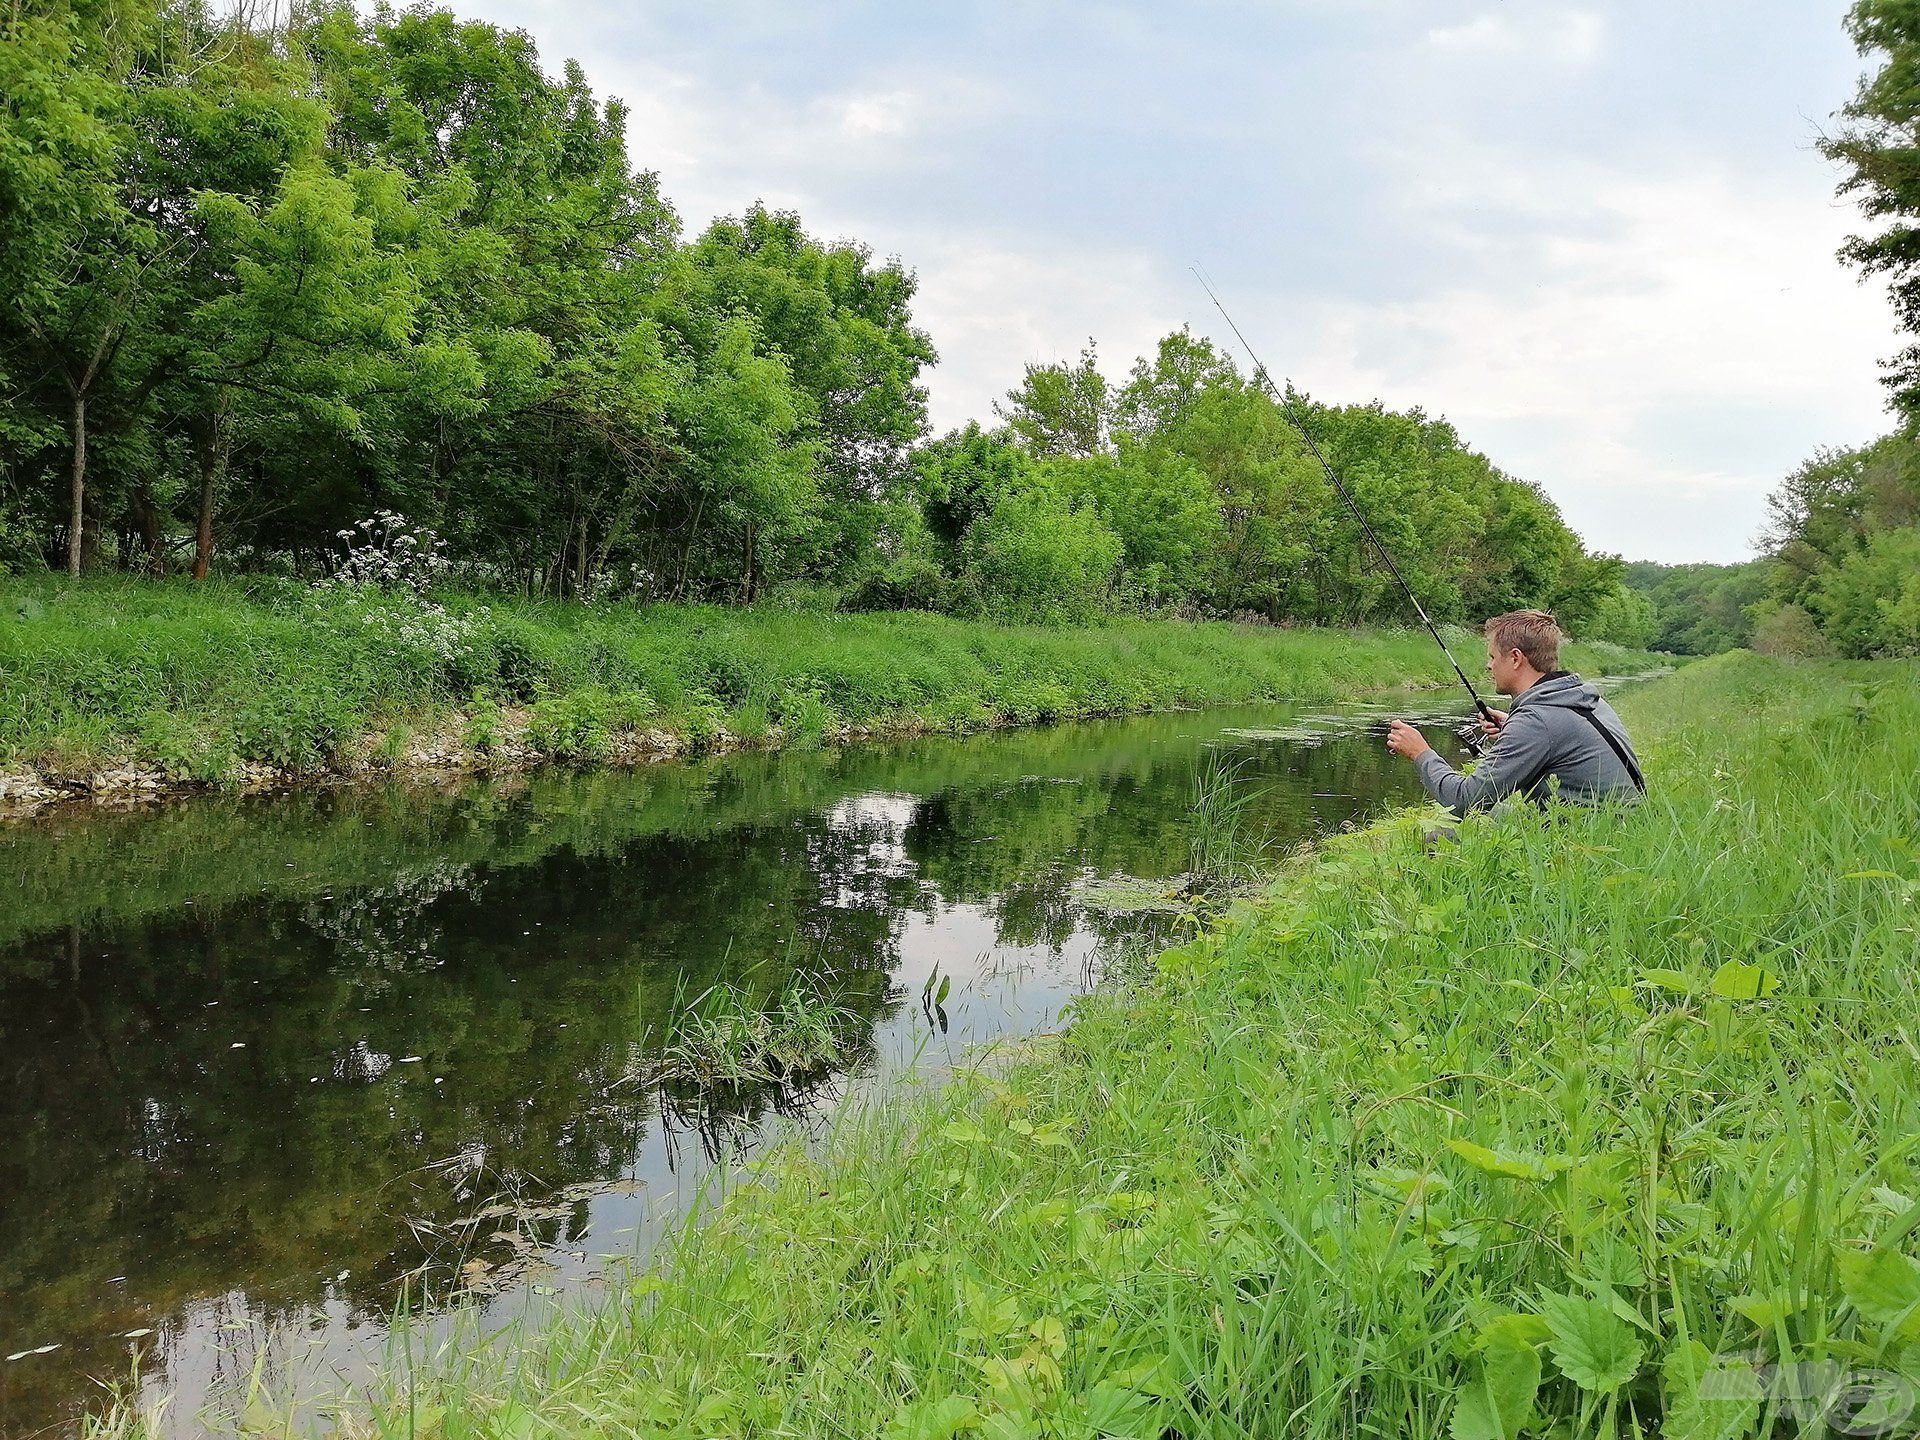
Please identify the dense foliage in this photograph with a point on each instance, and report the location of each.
(1699, 609)
(1188, 486)
(1846, 544)
(1531, 1135)
(260, 281)
(268, 281)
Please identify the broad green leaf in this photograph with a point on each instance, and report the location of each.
(914, 1267)
(1678, 981)
(1593, 1347)
(1766, 1311)
(1512, 1329)
(1115, 1410)
(1707, 1397)
(1051, 1333)
(1625, 1311)
(1506, 1163)
(965, 1132)
(1883, 1285)
(1891, 1200)
(1497, 1403)
(1737, 980)
(940, 1419)
(1018, 1423)
(1614, 1266)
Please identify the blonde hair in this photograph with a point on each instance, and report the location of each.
(1534, 633)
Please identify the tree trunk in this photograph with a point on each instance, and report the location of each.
(203, 528)
(78, 524)
(216, 443)
(146, 522)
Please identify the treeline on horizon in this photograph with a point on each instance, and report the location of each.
(1839, 573)
(261, 282)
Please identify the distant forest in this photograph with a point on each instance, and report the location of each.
(1840, 573)
(260, 283)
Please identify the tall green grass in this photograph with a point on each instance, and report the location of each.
(194, 679)
(1560, 1130)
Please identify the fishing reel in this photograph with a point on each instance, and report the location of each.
(1475, 738)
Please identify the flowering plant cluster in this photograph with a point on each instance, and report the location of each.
(387, 567)
(386, 551)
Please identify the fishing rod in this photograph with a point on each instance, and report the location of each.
(1285, 402)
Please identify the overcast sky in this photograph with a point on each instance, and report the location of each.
(1595, 236)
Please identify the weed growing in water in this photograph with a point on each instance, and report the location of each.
(1220, 850)
(726, 1037)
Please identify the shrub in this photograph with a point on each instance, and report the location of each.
(703, 721)
(581, 724)
(1034, 558)
(180, 749)
(803, 715)
(482, 731)
(296, 730)
(1789, 632)
(912, 582)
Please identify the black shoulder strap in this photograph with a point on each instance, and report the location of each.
(1620, 752)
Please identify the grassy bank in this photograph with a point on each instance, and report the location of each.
(201, 682)
(1530, 1134)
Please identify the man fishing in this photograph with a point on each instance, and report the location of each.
(1560, 738)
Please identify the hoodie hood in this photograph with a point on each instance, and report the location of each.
(1562, 688)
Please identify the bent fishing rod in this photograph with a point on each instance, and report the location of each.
(1285, 402)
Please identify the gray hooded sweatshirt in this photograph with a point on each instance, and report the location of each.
(1553, 734)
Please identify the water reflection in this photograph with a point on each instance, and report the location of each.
(263, 1060)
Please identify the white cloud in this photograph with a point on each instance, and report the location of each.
(1563, 36)
(994, 305)
(885, 116)
(1656, 361)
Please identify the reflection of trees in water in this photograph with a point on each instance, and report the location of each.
(1045, 834)
(388, 927)
(145, 1145)
(526, 940)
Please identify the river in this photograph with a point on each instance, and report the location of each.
(271, 1066)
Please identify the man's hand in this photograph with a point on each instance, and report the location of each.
(1492, 721)
(1403, 739)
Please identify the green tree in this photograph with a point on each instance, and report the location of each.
(1060, 409)
(1876, 147)
(961, 475)
(1701, 609)
(83, 273)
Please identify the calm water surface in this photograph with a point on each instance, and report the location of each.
(269, 1065)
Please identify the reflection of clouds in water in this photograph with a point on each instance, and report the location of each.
(868, 835)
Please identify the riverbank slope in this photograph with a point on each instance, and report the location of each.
(1559, 1125)
(131, 686)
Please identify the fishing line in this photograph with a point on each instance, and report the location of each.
(1285, 402)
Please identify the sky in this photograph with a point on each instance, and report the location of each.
(1595, 236)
